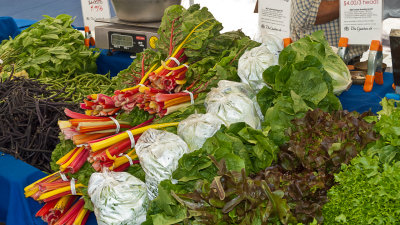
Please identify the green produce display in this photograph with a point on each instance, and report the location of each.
(367, 193)
(212, 56)
(310, 163)
(49, 48)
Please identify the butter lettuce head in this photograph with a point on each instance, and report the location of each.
(317, 46)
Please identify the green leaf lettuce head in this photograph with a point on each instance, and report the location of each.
(366, 193)
(317, 46)
(387, 124)
(299, 83)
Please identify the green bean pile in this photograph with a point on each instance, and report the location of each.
(81, 85)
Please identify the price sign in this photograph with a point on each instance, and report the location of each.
(361, 20)
(274, 17)
(93, 10)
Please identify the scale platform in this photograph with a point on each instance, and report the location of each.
(118, 35)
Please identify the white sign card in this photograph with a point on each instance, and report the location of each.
(274, 17)
(93, 10)
(361, 20)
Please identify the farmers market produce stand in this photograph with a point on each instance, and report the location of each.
(146, 125)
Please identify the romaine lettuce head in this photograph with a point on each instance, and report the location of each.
(317, 46)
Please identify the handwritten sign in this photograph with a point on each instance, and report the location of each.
(274, 17)
(361, 20)
(93, 10)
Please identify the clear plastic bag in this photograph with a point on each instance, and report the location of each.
(159, 152)
(118, 198)
(231, 104)
(197, 128)
(254, 62)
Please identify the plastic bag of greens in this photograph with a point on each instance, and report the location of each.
(234, 102)
(226, 87)
(159, 152)
(253, 63)
(118, 198)
(197, 128)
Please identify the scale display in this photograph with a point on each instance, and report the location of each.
(127, 42)
(119, 40)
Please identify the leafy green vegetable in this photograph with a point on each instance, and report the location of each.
(234, 198)
(212, 56)
(60, 150)
(322, 141)
(367, 193)
(319, 144)
(388, 126)
(316, 45)
(240, 146)
(220, 59)
(135, 117)
(49, 48)
(299, 83)
(180, 22)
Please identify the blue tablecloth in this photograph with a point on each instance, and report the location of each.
(8, 27)
(112, 63)
(355, 99)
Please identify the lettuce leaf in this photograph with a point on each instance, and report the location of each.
(387, 124)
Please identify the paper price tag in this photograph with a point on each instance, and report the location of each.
(274, 17)
(93, 10)
(361, 20)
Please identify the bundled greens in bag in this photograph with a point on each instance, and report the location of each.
(253, 63)
(195, 129)
(159, 152)
(118, 198)
(232, 102)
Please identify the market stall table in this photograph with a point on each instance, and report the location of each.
(15, 174)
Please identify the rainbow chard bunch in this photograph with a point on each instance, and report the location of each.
(192, 57)
(61, 197)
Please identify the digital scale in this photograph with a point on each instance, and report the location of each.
(125, 36)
